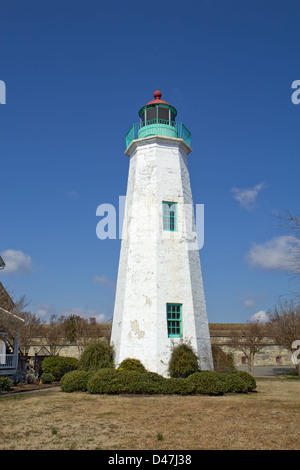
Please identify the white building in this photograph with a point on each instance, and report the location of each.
(159, 298)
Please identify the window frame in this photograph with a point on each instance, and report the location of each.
(174, 323)
(171, 220)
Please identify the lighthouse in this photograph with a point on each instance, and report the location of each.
(160, 298)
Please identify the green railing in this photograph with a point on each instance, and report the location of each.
(162, 127)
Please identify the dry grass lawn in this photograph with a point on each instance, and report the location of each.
(54, 420)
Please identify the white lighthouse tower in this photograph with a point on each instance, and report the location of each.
(159, 297)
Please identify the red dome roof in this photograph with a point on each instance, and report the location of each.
(157, 99)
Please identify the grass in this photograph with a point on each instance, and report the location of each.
(53, 420)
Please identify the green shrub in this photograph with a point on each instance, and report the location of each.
(173, 386)
(183, 361)
(47, 378)
(97, 355)
(207, 383)
(234, 383)
(132, 364)
(223, 362)
(5, 384)
(75, 381)
(59, 365)
(247, 378)
(114, 381)
(104, 381)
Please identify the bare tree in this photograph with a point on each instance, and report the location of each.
(31, 329)
(20, 305)
(72, 326)
(284, 324)
(78, 330)
(54, 334)
(250, 340)
(89, 330)
(104, 330)
(291, 222)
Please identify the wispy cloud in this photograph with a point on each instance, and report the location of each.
(275, 254)
(247, 197)
(104, 280)
(249, 303)
(16, 261)
(72, 194)
(44, 310)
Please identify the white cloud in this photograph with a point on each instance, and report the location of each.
(104, 280)
(247, 196)
(277, 253)
(249, 303)
(44, 310)
(16, 261)
(260, 316)
(72, 194)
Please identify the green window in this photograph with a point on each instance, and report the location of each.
(174, 320)
(170, 216)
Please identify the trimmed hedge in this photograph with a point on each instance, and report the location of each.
(247, 378)
(132, 364)
(112, 381)
(234, 384)
(59, 365)
(75, 381)
(180, 386)
(97, 355)
(207, 383)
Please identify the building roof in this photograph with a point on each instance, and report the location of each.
(8, 321)
(6, 301)
(225, 329)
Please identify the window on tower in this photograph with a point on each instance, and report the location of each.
(170, 216)
(151, 113)
(174, 320)
(163, 114)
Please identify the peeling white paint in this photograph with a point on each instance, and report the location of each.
(156, 267)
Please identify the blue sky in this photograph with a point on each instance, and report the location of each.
(76, 74)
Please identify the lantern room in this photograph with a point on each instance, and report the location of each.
(157, 118)
(157, 110)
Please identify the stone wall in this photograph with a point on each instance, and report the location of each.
(271, 353)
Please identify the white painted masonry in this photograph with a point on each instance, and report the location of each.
(157, 267)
